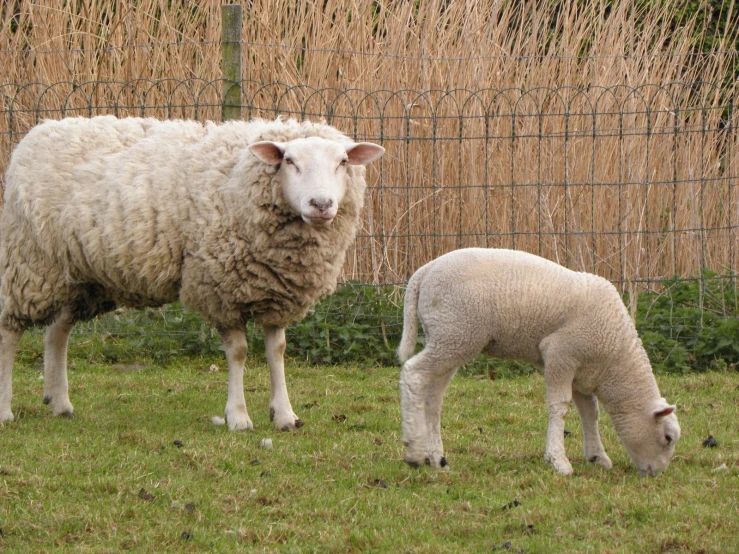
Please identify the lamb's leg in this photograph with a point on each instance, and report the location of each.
(234, 342)
(559, 372)
(280, 410)
(8, 346)
(434, 398)
(587, 407)
(56, 387)
(423, 382)
(412, 381)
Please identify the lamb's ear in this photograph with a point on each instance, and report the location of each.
(363, 153)
(663, 409)
(267, 151)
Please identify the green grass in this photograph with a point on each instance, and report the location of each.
(112, 479)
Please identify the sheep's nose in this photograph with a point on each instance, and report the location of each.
(321, 205)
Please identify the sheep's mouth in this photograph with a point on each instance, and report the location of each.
(318, 220)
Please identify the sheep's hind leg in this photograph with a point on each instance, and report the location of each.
(234, 342)
(423, 381)
(280, 409)
(412, 378)
(8, 346)
(434, 399)
(56, 387)
(587, 407)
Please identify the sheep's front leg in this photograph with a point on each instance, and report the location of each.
(8, 345)
(558, 402)
(280, 410)
(559, 372)
(56, 387)
(587, 407)
(234, 342)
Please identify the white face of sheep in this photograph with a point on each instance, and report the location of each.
(652, 443)
(314, 172)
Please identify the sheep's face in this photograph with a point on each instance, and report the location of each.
(313, 172)
(652, 443)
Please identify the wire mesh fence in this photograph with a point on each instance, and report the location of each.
(637, 184)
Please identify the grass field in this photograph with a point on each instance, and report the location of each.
(141, 467)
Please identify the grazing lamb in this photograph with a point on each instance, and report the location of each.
(514, 305)
(240, 221)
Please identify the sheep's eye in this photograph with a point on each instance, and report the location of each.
(289, 161)
(668, 438)
(344, 162)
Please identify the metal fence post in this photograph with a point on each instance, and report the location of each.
(231, 61)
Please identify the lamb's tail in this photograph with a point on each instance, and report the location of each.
(410, 316)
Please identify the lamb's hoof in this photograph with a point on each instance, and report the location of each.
(6, 417)
(415, 460)
(436, 462)
(563, 467)
(47, 400)
(62, 408)
(601, 460)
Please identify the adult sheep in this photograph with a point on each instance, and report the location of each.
(240, 221)
(514, 305)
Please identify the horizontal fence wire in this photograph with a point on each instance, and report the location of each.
(636, 184)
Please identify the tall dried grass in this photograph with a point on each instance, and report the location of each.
(589, 134)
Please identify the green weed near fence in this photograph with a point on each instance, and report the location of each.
(686, 326)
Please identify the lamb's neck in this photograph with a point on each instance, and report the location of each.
(629, 387)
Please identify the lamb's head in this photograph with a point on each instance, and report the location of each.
(650, 438)
(314, 172)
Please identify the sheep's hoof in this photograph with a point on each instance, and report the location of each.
(293, 425)
(67, 415)
(6, 417)
(443, 462)
(413, 464)
(47, 400)
(239, 425)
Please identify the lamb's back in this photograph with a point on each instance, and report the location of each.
(520, 299)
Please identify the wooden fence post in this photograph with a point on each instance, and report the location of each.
(231, 61)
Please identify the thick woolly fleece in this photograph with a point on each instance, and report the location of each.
(108, 212)
(513, 305)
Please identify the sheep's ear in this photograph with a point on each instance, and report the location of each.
(663, 409)
(363, 153)
(267, 151)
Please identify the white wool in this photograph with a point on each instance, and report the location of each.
(106, 212)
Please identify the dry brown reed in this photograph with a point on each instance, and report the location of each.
(589, 134)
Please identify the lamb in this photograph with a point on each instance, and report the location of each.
(513, 305)
(240, 221)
